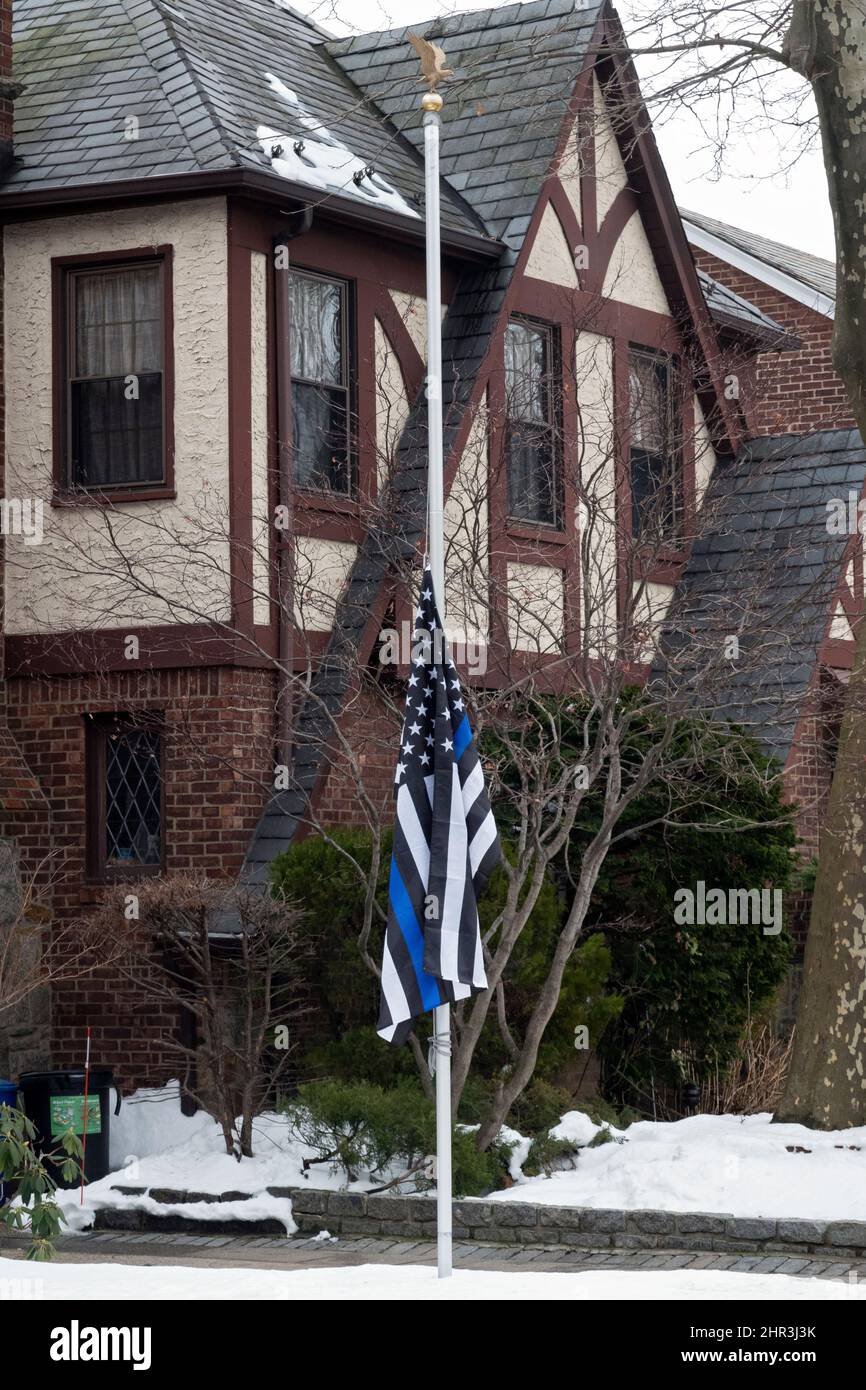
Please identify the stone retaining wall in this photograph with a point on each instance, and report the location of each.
(521, 1223)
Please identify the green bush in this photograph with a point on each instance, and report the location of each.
(319, 876)
(717, 815)
(690, 990)
(24, 1168)
(539, 1108)
(323, 880)
(584, 999)
(359, 1055)
(545, 1153)
(367, 1129)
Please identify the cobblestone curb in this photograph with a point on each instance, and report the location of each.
(510, 1223)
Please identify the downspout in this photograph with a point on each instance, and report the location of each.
(285, 492)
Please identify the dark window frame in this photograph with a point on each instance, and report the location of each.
(672, 459)
(98, 730)
(553, 335)
(64, 269)
(348, 350)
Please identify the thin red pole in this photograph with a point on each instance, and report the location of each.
(84, 1140)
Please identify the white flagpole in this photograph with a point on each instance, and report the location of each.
(432, 104)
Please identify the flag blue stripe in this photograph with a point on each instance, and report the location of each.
(407, 921)
(462, 737)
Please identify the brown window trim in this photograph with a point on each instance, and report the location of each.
(314, 498)
(97, 728)
(63, 493)
(525, 528)
(668, 556)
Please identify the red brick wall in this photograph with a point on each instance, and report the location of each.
(791, 392)
(372, 732)
(217, 762)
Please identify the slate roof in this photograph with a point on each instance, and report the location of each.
(195, 75)
(492, 55)
(766, 571)
(515, 69)
(730, 310)
(816, 272)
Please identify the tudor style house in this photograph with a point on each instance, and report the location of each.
(215, 325)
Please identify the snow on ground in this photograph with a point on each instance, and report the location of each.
(154, 1146)
(713, 1163)
(151, 1121)
(743, 1165)
(95, 1281)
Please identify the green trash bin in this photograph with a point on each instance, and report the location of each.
(54, 1101)
(8, 1096)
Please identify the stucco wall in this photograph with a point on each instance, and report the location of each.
(261, 529)
(467, 538)
(551, 258)
(76, 578)
(597, 521)
(392, 403)
(321, 570)
(610, 174)
(536, 608)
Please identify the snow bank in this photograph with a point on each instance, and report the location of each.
(742, 1165)
(151, 1121)
(579, 1129)
(711, 1163)
(154, 1146)
(370, 1283)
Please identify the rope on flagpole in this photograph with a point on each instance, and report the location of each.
(438, 1045)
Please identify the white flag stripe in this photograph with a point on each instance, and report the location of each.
(393, 990)
(414, 832)
(479, 974)
(481, 841)
(451, 910)
(473, 787)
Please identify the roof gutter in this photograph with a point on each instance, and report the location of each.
(763, 338)
(18, 205)
(760, 270)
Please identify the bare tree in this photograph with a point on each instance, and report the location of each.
(234, 959)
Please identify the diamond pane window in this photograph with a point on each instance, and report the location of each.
(125, 814)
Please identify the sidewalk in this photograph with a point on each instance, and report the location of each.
(277, 1252)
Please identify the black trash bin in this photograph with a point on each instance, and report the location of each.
(54, 1101)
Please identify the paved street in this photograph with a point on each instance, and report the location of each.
(147, 1248)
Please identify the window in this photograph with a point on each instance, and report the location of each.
(530, 405)
(125, 781)
(115, 354)
(318, 319)
(656, 470)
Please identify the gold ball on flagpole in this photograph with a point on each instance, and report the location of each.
(431, 101)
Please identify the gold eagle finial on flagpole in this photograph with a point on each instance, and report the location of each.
(433, 70)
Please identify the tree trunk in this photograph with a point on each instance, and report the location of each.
(826, 1087)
